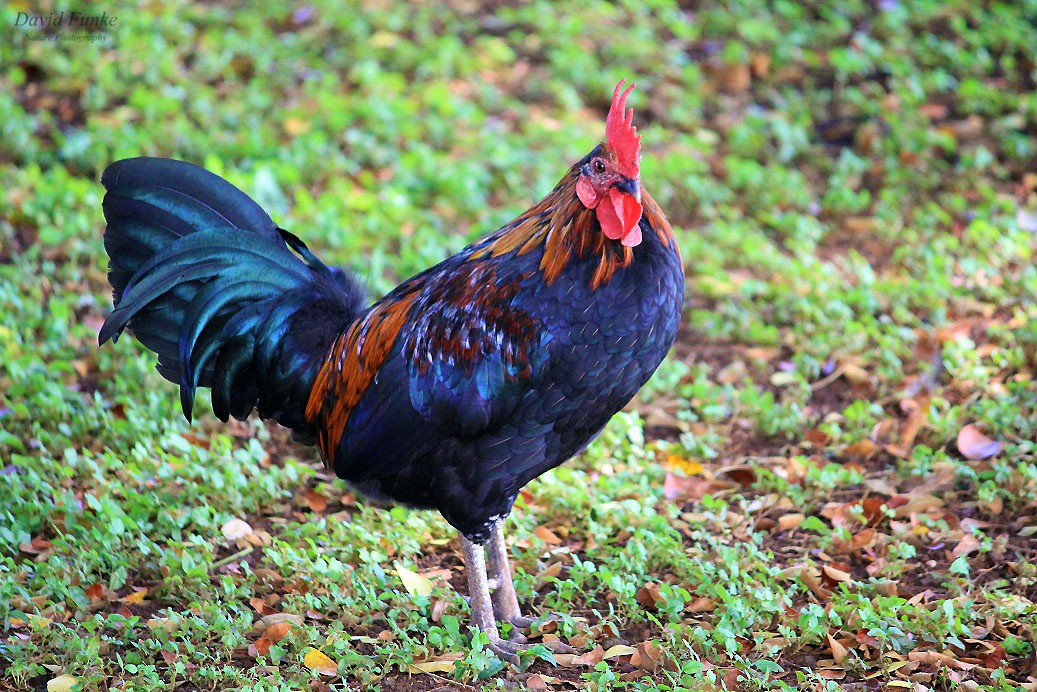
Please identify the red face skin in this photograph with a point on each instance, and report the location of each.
(615, 198)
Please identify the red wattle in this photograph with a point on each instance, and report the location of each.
(619, 220)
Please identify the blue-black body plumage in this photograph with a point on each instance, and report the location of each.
(451, 392)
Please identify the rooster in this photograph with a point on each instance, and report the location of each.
(451, 392)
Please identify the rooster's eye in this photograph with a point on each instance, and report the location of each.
(599, 165)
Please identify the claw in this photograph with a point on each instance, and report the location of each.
(503, 603)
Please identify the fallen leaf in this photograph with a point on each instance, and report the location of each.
(36, 546)
(905, 505)
(235, 529)
(838, 650)
(135, 598)
(315, 501)
(261, 647)
(730, 78)
(439, 664)
(278, 631)
(619, 650)
(817, 438)
(415, 584)
(318, 661)
(968, 544)
(910, 430)
(760, 64)
(536, 683)
(690, 467)
(265, 622)
(676, 486)
(591, 658)
(547, 535)
(863, 449)
(837, 575)
(790, 521)
(95, 592)
(974, 445)
(648, 595)
(996, 658)
(701, 605)
(855, 374)
(741, 474)
(646, 657)
(296, 126)
(62, 683)
(260, 606)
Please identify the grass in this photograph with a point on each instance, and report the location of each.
(829, 485)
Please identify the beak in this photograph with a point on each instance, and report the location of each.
(629, 186)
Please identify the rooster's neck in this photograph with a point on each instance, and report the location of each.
(565, 231)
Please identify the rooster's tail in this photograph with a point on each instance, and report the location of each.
(227, 300)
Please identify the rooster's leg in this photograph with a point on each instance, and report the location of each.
(505, 601)
(482, 606)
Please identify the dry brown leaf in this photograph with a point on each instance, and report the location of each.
(36, 546)
(439, 664)
(741, 474)
(700, 605)
(681, 487)
(646, 657)
(760, 64)
(260, 606)
(547, 535)
(278, 631)
(974, 445)
(837, 575)
(315, 501)
(855, 374)
(863, 449)
(968, 544)
(536, 683)
(906, 505)
(648, 595)
(910, 430)
(733, 79)
(788, 522)
(839, 651)
(439, 607)
(95, 592)
(590, 658)
(235, 529)
(260, 626)
(261, 647)
(817, 438)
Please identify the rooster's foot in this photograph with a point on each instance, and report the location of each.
(503, 604)
(508, 650)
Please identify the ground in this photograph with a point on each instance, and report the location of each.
(830, 484)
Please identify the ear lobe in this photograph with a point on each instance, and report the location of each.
(585, 191)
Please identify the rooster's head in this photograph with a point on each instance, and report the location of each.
(609, 179)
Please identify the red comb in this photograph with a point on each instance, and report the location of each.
(621, 134)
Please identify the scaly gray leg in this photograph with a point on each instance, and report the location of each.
(482, 604)
(505, 601)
